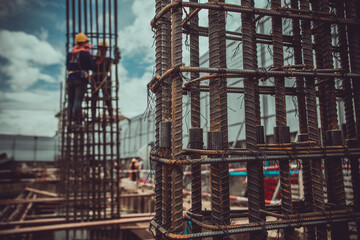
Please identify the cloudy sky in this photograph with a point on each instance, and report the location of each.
(32, 62)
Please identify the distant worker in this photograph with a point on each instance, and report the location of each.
(134, 167)
(101, 78)
(79, 62)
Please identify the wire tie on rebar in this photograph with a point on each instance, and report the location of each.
(150, 227)
(169, 229)
(177, 5)
(225, 231)
(299, 218)
(315, 73)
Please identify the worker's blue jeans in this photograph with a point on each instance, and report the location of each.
(76, 90)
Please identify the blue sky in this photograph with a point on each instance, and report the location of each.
(32, 62)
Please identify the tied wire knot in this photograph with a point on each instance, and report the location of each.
(262, 70)
(260, 154)
(176, 69)
(224, 230)
(178, 5)
(222, 71)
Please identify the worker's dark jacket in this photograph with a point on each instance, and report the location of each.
(83, 61)
(102, 67)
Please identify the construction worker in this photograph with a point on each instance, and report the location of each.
(101, 78)
(79, 62)
(134, 167)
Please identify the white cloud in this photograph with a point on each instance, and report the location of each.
(133, 92)
(24, 111)
(29, 112)
(26, 55)
(43, 34)
(137, 38)
(26, 47)
(28, 122)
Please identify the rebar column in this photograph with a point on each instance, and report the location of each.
(176, 139)
(335, 180)
(194, 62)
(354, 52)
(165, 148)
(313, 180)
(195, 119)
(254, 175)
(348, 101)
(343, 52)
(165, 26)
(303, 126)
(92, 156)
(299, 80)
(224, 167)
(196, 142)
(280, 109)
(166, 113)
(260, 130)
(158, 118)
(220, 202)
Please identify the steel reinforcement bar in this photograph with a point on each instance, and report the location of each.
(314, 28)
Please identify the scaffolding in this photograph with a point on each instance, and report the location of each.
(314, 27)
(90, 179)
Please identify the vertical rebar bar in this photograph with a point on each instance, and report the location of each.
(177, 173)
(299, 80)
(257, 109)
(166, 112)
(196, 142)
(313, 181)
(254, 176)
(343, 52)
(280, 113)
(159, 185)
(303, 126)
(335, 181)
(220, 204)
(195, 118)
(354, 53)
(223, 115)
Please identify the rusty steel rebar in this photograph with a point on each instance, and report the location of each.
(344, 61)
(177, 117)
(307, 22)
(298, 61)
(91, 152)
(313, 181)
(303, 125)
(280, 113)
(220, 204)
(195, 117)
(335, 182)
(283, 12)
(254, 175)
(158, 117)
(354, 52)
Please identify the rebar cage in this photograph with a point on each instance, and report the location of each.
(322, 30)
(91, 152)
